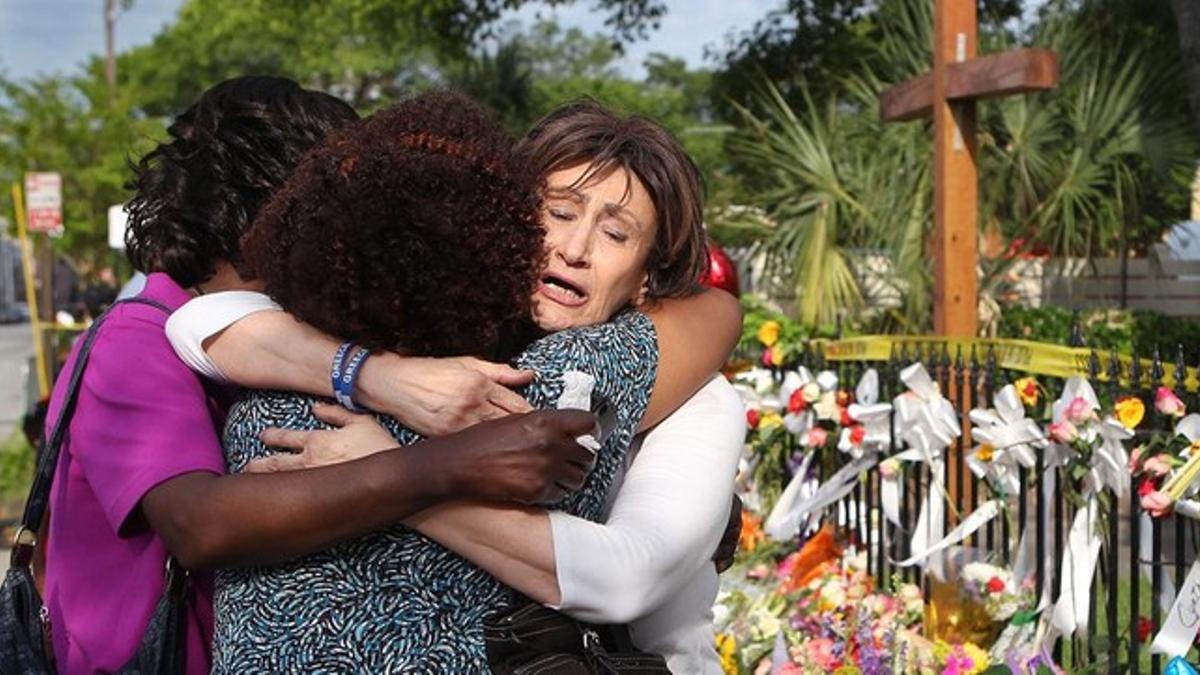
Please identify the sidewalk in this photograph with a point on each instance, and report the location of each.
(16, 346)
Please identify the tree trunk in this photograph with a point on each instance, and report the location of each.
(1187, 21)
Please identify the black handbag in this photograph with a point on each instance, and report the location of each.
(24, 625)
(529, 639)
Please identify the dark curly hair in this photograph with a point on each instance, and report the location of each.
(196, 193)
(413, 231)
(585, 132)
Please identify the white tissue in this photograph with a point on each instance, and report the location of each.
(577, 395)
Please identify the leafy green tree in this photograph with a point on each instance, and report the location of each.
(809, 48)
(1081, 170)
(534, 69)
(71, 125)
(367, 51)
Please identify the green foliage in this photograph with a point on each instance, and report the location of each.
(815, 46)
(535, 69)
(368, 52)
(1091, 168)
(1105, 329)
(71, 125)
(755, 313)
(16, 466)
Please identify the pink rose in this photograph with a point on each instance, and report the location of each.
(1157, 504)
(816, 437)
(1158, 465)
(1079, 410)
(1064, 432)
(1134, 456)
(1167, 403)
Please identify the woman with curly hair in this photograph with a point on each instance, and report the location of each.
(622, 216)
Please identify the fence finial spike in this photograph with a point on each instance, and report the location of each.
(1114, 368)
(1076, 330)
(1180, 369)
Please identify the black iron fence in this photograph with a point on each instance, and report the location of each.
(1122, 598)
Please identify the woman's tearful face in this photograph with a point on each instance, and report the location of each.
(599, 234)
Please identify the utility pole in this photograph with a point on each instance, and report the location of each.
(110, 64)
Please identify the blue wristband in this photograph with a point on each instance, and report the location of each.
(343, 387)
(339, 364)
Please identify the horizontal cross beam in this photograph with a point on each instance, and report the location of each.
(1019, 71)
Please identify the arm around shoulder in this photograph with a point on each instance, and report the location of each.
(695, 336)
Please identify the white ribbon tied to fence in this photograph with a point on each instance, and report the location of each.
(872, 416)
(1108, 469)
(797, 506)
(1183, 618)
(926, 424)
(1007, 439)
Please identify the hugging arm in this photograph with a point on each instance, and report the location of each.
(271, 350)
(245, 338)
(209, 520)
(695, 336)
(665, 522)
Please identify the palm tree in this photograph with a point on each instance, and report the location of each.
(1068, 169)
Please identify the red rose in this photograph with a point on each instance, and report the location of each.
(752, 419)
(995, 585)
(857, 434)
(846, 420)
(1145, 487)
(843, 398)
(796, 402)
(1144, 629)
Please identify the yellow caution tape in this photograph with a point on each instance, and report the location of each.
(1035, 358)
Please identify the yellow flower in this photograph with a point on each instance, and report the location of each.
(979, 658)
(727, 649)
(769, 420)
(1027, 390)
(1130, 410)
(1193, 448)
(768, 333)
(986, 452)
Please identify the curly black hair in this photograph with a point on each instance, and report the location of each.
(196, 193)
(413, 231)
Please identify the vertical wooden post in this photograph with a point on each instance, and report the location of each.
(955, 193)
(955, 205)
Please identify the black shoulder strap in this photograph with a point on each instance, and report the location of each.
(39, 492)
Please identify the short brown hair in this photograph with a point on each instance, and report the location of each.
(411, 231)
(585, 132)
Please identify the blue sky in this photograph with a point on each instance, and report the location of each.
(44, 36)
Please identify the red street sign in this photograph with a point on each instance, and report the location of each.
(43, 202)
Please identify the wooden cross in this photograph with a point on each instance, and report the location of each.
(949, 93)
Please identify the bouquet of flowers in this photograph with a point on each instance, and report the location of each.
(818, 609)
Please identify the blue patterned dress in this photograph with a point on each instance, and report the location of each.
(394, 601)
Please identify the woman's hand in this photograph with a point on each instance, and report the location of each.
(354, 436)
(440, 396)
